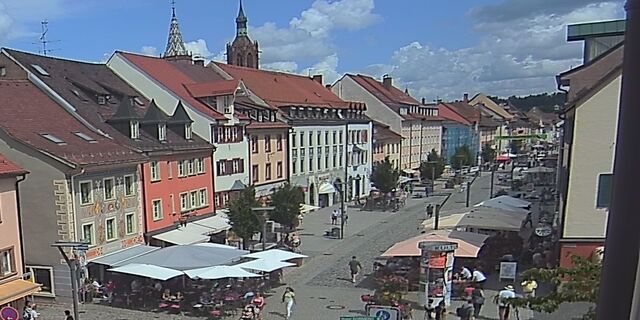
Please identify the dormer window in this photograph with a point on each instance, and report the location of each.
(162, 132)
(188, 131)
(134, 129)
(227, 104)
(102, 99)
(403, 111)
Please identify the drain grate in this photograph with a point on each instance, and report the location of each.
(336, 307)
(307, 234)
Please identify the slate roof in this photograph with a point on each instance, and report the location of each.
(9, 168)
(64, 77)
(393, 97)
(280, 89)
(28, 114)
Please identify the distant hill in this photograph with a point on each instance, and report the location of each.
(544, 101)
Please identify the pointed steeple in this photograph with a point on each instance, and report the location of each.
(180, 115)
(175, 45)
(241, 22)
(154, 114)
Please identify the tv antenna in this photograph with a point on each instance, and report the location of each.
(43, 39)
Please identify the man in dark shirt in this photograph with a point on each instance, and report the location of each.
(355, 267)
(68, 315)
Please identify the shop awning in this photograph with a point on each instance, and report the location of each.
(220, 272)
(469, 244)
(148, 271)
(326, 188)
(17, 289)
(190, 234)
(275, 255)
(217, 223)
(265, 265)
(120, 256)
(305, 208)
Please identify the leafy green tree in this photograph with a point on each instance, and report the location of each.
(286, 202)
(385, 176)
(434, 166)
(488, 153)
(462, 157)
(579, 283)
(245, 222)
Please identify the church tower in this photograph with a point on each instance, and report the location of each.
(176, 50)
(242, 51)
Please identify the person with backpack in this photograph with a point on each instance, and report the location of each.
(466, 311)
(477, 297)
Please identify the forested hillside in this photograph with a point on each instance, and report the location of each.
(545, 101)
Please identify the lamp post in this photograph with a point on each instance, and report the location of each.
(264, 211)
(73, 268)
(493, 172)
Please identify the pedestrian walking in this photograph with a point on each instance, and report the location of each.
(429, 211)
(68, 315)
(289, 299)
(465, 312)
(528, 220)
(477, 297)
(355, 267)
(346, 218)
(504, 305)
(529, 287)
(478, 277)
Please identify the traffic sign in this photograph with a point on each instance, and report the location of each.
(9, 313)
(384, 312)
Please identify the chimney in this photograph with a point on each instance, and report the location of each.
(465, 98)
(439, 100)
(198, 62)
(423, 101)
(387, 81)
(318, 78)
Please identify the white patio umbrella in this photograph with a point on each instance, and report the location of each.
(265, 265)
(148, 271)
(220, 272)
(275, 254)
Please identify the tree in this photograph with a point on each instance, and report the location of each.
(434, 166)
(385, 176)
(488, 153)
(583, 286)
(245, 222)
(462, 157)
(515, 146)
(286, 200)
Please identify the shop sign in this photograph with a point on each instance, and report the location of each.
(438, 246)
(543, 231)
(508, 270)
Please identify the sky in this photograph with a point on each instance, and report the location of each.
(434, 48)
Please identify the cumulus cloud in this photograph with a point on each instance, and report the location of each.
(18, 18)
(149, 50)
(513, 57)
(198, 48)
(284, 66)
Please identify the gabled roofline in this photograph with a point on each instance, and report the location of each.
(590, 62)
(605, 80)
(371, 95)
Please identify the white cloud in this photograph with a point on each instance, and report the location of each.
(284, 66)
(327, 68)
(513, 57)
(149, 51)
(198, 48)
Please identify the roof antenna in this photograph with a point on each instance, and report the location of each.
(173, 7)
(43, 38)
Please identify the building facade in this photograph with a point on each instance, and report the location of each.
(386, 143)
(460, 128)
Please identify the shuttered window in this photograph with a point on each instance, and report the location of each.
(605, 188)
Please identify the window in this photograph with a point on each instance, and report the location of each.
(88, 234)
(155, 171)
(156, 206)
(130, 223)
(279, 169)
(204, 199)
(102, 99)
(310, 138)
(184, 202)
(254, 144)
(319, 164)
(85, 137)
(3, 71)
(335, 137)
(53, 139)
(111, 231)
(86, 192)
(200, 165)
(194, 199)
(227, 104)
(294, 166)
(129, 185)
(108, 188)
(310, 163)
(293, 140)
(43, 276)
(318, 138)
(340, 138)
(326, 137)
(134, 129)
(190, 167)
(181, 165)
(169, 169)
(279, 143)
(302, 139)
(40, 70)
(267, 171)
(267, 143)
(605, 186)
(222, 167)
(188, 131)
(7, 263)
(162, 132)
(255, 171)
(302, 165)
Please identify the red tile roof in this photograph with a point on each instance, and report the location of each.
(465, 110)
(28, 114)
(174, 76)
(280, 89)
(9, 168)
(392, 97)
(447, 113)
(383, 133)
(212, 88)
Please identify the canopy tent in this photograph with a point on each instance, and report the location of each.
(539, 170)
(508, 200)
(480, 219)
(121, 256)
(188, 257)
(305, 208)
(445, 222)
(265, 265)
(326, 188)
(275, 254)
(220, 272)
(501, 206)
(196, 231)
(148, 271)
(469, 243)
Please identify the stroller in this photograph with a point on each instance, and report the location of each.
(249, 313)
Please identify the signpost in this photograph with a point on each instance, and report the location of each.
(9, 313)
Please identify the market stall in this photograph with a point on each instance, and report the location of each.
(468, 244)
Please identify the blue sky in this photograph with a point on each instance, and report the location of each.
(435, 48)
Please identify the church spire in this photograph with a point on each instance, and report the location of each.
(241, 22)
(175, 45)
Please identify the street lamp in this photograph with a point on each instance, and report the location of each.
(343, 194)
(73, 267)
(264, 211)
